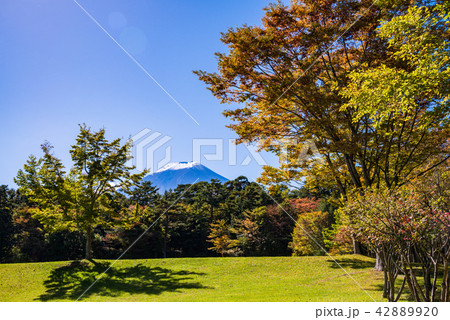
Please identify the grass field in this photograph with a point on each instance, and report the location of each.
(195, 279)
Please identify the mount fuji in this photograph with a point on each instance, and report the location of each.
(175, 173)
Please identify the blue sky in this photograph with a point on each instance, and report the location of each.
(59, 69)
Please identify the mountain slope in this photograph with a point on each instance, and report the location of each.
(175, 173)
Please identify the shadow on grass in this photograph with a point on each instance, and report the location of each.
(353, 263)
(358, 263)
(69, 282)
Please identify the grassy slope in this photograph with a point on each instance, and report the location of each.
(194, 279)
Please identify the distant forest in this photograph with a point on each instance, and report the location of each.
(235, 218)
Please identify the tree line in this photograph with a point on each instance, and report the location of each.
(235, 218)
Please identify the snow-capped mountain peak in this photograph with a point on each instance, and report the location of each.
(176, 173)
(178, 166)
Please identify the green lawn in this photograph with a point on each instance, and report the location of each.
(194, 279)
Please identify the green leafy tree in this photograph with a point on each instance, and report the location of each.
(418, 38)
(82, 198)
(144, 194)
(409, 106)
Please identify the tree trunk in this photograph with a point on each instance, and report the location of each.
(427, 282)
(165, 246)
(391, 289)
(378, 263)
(444, 285)
(385, 284)
(435, 275)
(88, 243)
(356, 245)
(400, 290)
(166, 226)
(352, 171)
(412, 289)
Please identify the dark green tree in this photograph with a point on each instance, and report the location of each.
(144, 194)
(6, 222)
(210, 194)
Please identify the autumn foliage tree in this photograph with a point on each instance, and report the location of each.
(308, 237)
(292, 78)
(288, 75)
(221, 239)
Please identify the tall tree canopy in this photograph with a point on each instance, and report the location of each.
(409, 105)
(288, 76)
(82, 198)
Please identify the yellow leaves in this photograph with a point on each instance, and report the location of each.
(309, 226)
(220, 238)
